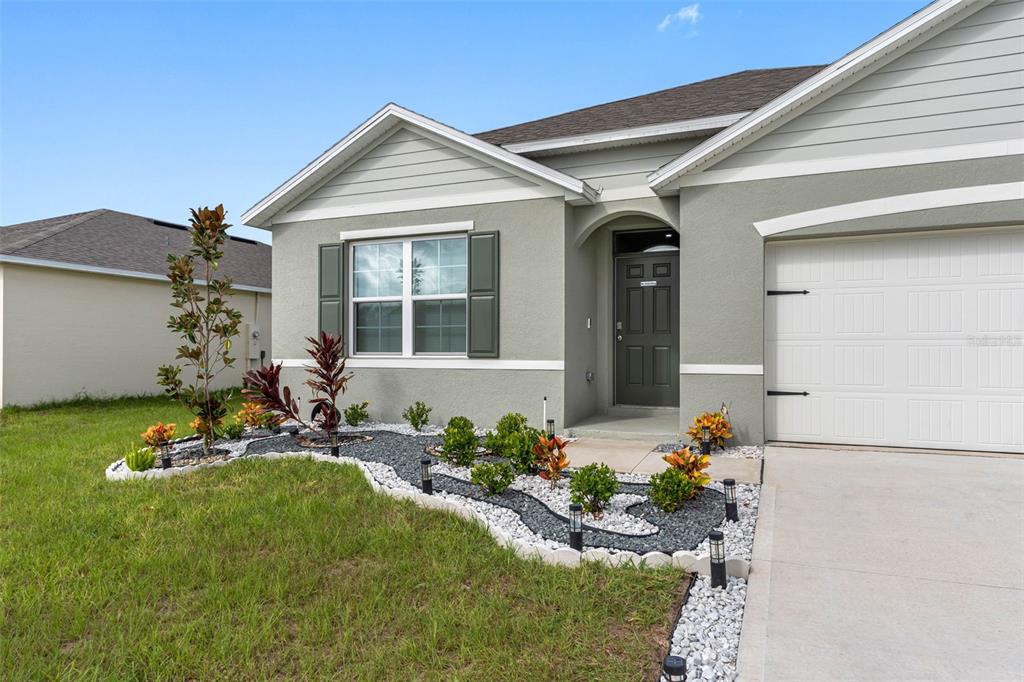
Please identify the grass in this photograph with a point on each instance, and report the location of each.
(286, 569)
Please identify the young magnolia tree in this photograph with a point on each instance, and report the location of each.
(205, 322)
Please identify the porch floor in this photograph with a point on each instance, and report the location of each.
(658, 424)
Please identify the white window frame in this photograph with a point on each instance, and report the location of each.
(407, 299)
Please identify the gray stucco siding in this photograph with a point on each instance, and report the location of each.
(531, 234)
(722, 254)
(482, 395)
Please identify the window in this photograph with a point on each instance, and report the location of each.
(409, 296)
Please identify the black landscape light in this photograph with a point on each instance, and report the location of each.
(576, 526)
(334, 443)
(705, 440)
(717, 541)
(165, 456)
(673, 669)
(426, 477)
(731, 510)
(551, 428)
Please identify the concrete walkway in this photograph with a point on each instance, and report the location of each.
(886, 566)
(638, 457)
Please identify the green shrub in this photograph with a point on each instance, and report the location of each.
(494, 478)
(670, 489)
(593, 487)
(417, 414)
(518, 449)
(356, 414)
(513, 439)
(460, 442)
(139, 458)
(234, 430)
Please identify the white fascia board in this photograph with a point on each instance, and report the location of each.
(115, 272)
(261, 213)
(597, 140)
(901, 203)
(731, 138)
(844, 164)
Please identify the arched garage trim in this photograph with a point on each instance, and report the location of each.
(902, 203)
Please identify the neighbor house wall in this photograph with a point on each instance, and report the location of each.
(68, 333)
(722, 259)
(531, 311)
(963, 86)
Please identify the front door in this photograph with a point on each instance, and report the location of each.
(647, 329)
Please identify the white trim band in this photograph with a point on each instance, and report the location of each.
(844, 164)
(406, 230)
(114, 272)
(721, 369)
(901, 203)
(427, 362)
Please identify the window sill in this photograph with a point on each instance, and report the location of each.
(437, 362)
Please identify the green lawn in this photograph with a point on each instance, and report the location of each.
(279, 569)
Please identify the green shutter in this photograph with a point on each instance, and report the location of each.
(482, 295)
(331, 289)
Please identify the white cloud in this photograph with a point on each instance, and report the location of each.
(688, 14)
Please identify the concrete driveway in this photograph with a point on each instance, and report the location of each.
(886, 566)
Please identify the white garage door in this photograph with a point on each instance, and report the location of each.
(913, 341)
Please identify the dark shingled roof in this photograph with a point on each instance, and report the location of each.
(743, 91)
(111, 239)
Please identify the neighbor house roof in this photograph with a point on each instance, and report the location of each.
(121, 243)
(738, 92)
(807, 93)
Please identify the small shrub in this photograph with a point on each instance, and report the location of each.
(417, 414)
(670, 489)
(550, 457)
(254, 416)
(494, 478)
(511, 423)
(158, 434)
(691, 464)
(356, 413)
(593, 487)
(718, 424)
(139, 458)
(460, 442)
(234, 430)
(518, 448)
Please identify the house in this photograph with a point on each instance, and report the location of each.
(84, 303)
(836, 252)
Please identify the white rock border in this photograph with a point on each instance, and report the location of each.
(561, 556)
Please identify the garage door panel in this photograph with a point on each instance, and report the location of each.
(903, 340)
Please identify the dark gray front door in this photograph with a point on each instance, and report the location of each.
(647, 329)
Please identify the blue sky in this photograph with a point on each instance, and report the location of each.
(152, 107)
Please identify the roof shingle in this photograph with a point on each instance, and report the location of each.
(122, 241)
(742, 91)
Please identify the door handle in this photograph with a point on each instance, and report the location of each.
(619, 337)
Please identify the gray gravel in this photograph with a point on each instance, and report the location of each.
(685, 529)
(733, 451)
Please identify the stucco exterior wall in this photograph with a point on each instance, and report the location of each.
(66, 334)
(531, 314)
(722, 259)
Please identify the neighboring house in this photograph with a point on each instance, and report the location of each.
(84, 303)
(836, 252)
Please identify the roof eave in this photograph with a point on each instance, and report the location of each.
(733, 137)
(261, 213)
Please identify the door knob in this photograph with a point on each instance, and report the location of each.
(619, 337)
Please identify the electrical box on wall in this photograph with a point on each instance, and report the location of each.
(253, 333)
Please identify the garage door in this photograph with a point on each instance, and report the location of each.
(913, 341)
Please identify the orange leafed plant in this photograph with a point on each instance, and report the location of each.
(254, 416)
(158, 434)
(202, 426)
(550, 457)
(691, 464)
(718, 425)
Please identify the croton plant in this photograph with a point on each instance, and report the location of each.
(550, 457)
(718, 425)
